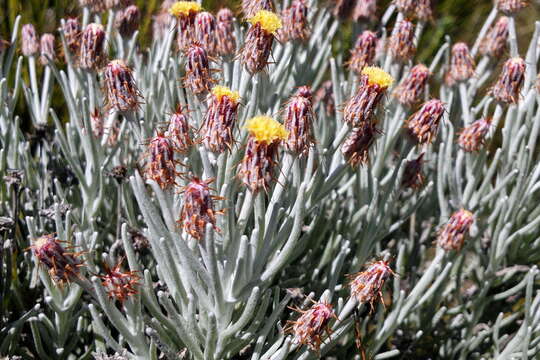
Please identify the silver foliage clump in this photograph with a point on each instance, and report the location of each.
(158, 210)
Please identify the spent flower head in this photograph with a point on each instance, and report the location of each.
(453, 234)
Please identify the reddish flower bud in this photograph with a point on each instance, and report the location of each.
(510, 6)
(259, 40)
(122, 92)
(198, 73)
(310, 327)
(198, 208)
(412, 176)
(461, 63)
(401, 42)
(127, 21)
(508, 86)
(366, 286)
(295, 22)
(252, 7)
(226, 40)
(413, 86)
(473, 136)
(343, 8)
(495, 41)
(91, 53)
(161, 165)
(299, 118)
(220, 119)
(120, 285)
(72, 34)
(452, 235)
(364, 51)
(356, 147)
(62, 265)
(205, 32)
(47, 49)
(29, 40)
(365, 10)
(424, 124)
(325, 97)
(185, 12)
(179, 130)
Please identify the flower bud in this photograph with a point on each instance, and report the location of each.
(205, 32)
(72, 34)
(413, 86)
(362, 106)
(419, 9)
(453, 234)
(259, 40)
(309, 329)
(366, 286)
(401, 42)
(510, 6)
(461, 63)
(495, 41)
(412, 176)
(226, 40)
(122, 92)
(299, 119)
(257, 167)
(29, 40)
(185, 12)
(365, 10)
(62, 265)
(127, 21)
(179, 130)
(508, 86)
(198, 208)
(161, 165)
(47, 49)
(118, 284)
(198, 73)
(252, 7)
(356, 147)
(220, 119)
(295, 22)
(364, 51)
(93, 5)
(472, 137)
(424, 124)
(91, 53)
(325, 97)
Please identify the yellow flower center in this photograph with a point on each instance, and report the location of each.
(269, 21)
(377, 76)
(265, 129)
(221, 91)
(184, 8)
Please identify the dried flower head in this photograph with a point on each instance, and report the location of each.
(356, 147)
(259, 40)
(62, 265)
(120, 285)
(127, 20)
(342, 8)
(461, 63)
(420, 9)
(122, 92)
(325, 97)
(161, 165)
(185, 12)
(295, 22)
(198, 73)
(364, 51)
(205, 31)
(47, 49)
(494, 43)
(472, 137)
(72, 33)
(257, 167)
(508, 86)
(179, 130)
(413, 86)
(424, 124)
(511, 6)
(225, 37)
(366, 286)
(91, 52)
(310, 328)
(363, 105)
(198, 208)
(413, 176)
(365, 10)
(453, 234)
(29, 40)
(220, 119)
(251, 7)
(299, 119)
(401, 42)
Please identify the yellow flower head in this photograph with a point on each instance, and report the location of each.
(377, 76)
(265, 129)
(220, 91)
(269, 21)
(184, 8)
